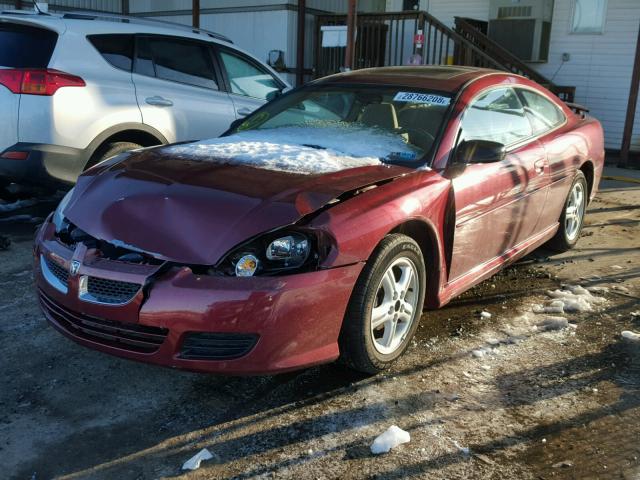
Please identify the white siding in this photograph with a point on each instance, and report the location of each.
(600, 66)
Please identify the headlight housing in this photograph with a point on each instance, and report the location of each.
(273, 253)
(59, 219)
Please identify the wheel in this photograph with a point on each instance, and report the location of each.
(109, 150)
(572, 216)
(385, 306)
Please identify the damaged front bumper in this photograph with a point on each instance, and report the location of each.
(171, 316)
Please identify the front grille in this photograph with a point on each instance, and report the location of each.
(127, 336)
(103, 290)
(58, 271)
(216, 346)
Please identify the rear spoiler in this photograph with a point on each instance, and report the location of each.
(577, 108)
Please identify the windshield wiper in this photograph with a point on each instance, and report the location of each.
(311, 145)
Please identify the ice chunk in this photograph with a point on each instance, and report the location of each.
(631, 336)
(391, 438)
(485, 315)
(553, 323)
(478, 353)
(306, 149)
(194, 462)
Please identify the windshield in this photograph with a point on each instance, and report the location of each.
(395, 124)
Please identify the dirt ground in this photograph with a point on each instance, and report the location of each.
(494, 397)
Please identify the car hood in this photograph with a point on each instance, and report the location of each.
(192, 211)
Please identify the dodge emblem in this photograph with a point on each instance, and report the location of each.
(75, 267)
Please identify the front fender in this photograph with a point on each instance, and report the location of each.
(359, 224)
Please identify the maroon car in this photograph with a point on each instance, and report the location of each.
(320, 226)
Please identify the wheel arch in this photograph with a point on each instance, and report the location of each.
(139, 133)
(424, 234)
(588, 169)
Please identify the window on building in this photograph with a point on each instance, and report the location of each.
(588, 16)
(497, 115)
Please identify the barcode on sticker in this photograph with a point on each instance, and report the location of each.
(427, 98)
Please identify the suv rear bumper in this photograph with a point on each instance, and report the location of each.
(48, 165)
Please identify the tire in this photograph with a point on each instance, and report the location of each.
(569, 231)
(371, 350)
(109, 150)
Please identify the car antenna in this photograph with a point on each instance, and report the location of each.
(37, 8)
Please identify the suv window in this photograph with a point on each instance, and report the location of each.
(497, 115)
(176, 60)
(25, 47)
(116, 49)
(246, 78)
(542, 113)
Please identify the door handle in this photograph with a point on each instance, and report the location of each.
(244, 111)
(539, 166)
(159, 101)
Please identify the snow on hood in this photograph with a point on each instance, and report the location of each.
(305, 149)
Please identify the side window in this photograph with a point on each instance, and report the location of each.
(246, 78)
(497, 115)
(542, 113)
(115, 49)
(176, 60)
(144, 59)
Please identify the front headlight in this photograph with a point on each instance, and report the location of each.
(273, 253)
(58, 216)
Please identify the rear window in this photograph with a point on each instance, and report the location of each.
(115, 49)
(25, 47)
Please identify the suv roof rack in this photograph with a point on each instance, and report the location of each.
(114, 17)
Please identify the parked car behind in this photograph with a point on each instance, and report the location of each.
(320, 226)
(77, 88)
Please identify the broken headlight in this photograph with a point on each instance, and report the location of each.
(281, 251)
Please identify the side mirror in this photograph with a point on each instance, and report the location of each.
(479, 151)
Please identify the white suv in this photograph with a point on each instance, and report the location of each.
(78, 88)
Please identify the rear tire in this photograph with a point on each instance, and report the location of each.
(572, 217)
(385, 307)
(109, 150)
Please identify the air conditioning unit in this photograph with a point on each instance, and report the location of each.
(522, 26)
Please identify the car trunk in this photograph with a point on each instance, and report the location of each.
(21, 47)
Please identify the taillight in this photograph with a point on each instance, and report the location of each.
(37, 81)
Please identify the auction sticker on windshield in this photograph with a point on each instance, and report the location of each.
(427, 98)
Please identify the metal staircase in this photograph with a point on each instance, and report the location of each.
(386, 39)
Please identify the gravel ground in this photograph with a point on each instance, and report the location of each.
(498, 397)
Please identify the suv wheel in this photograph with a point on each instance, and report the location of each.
(109, 150)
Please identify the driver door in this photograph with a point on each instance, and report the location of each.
(497, 204)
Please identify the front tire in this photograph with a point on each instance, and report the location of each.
(385, 306)
(572, 217)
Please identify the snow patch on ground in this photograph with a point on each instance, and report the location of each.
(194, 462)
(391, 438)
(308, 149)
(572, 298)
(631, 336)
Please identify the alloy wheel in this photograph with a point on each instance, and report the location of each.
(394, 310)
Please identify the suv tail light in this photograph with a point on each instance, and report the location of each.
(37, 81)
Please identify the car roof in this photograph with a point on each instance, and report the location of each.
(444, 78)
(93, 23)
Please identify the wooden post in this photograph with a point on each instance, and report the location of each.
(125, 7)
(300, 47)
(351, 32)
(195, 10)
(18, 4)
(631, 108)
